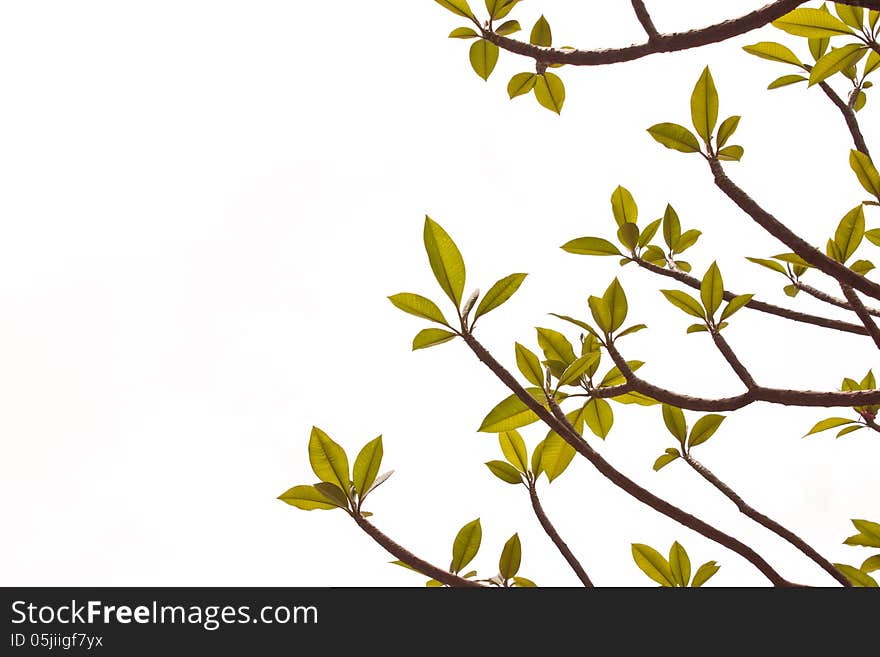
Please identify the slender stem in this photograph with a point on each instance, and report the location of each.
(834, 301)
(760, 306)
(573, 438)
(645, 19)
(764, 521)
(849, 115)
(407, 557)
(556, 538)
(862, 312)
(781, 232)
(732, 359)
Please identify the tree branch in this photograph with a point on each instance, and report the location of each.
(760, 306)
(732, 359)
(849, 115)
(773, 395)
(834, 301)
(766, 522)
(781, 232)
(409, 558)
(556, 538)
(862, 312)
(616, 477)
(645, 19)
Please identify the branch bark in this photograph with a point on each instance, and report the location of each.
(563, 428)
(561, 545)
(766, 522)
(849, 115)
(862, 312)
(833, 301)
(409, 558)
(645, 19)
(733, 361)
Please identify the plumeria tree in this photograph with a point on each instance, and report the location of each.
(567, 379)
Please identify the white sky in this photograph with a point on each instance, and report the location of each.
(205, 204)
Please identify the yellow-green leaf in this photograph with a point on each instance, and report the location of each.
(675, 136)
(856, 577)
(550, 91)
(328, 460)
(866, 172)
(652, 564)
(829, 423)
(685, 302)
(333, 493)
(578, 368)
(679, 564)
(556, 455)
(417, 305)
(523, 583)
(599, 417)
(615, 377)
(521, 83)
(712, 289)
(514, 449)
(775, 52)
(511, 557)
(484, 56)
(852, 16)
(615, 299)
(307, 498)
(870, 564)
(671, 227)
(463, 33)
(529, 365)
(601, 313)
(704, 105)
(811, 23)
(836, 60)
(591, 246)
(623, 206)
(541, 34)
(665, 459)
(511, 413)
(673, 417)
(704, 573)
(499, 293)
(786, 80)
(457, 7)
(731, 153)
(726, 129)
(366, 465)
(872, 62)
(628, 235)
(850, 232)
(504, 471)
(466, 545)
(735, 304)
(445, 259)
(704, 428)
(507, 28)
(555, 346)
(431, 337)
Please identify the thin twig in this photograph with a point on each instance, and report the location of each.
(831, 300)
(561, 545)
(732, 359)
(862, 312)
(645, 19)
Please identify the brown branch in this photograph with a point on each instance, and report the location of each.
(781, 232)
(811, 398)
(661, 43)
(867, 4)
(862, 312)
(407, 557)
(849, 115)
(616, 477)
(732, 359)
(760, 306)
(556, 538)
(766, 522)
(645, 19)
(834, 301)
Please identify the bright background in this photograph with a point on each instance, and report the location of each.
(205, 204)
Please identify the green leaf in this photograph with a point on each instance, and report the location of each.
(704, 573)
(502, 7)
(811, 23)
(872, 62)
(785, 81)
(434, 584)
(850, 232)
(466, 545)
(507, 28)
(431, 338)
(775, 52)
(632, 329)
(731, 153)
(652, 564)
(624, 207)
(511, 555)
(726, 130)
(685, 302)
(463, 33)
(445, 259)
(328, 460)
(333, 493)
(861, 100)
(635, 398)
(615, 377)
(514, 449)
(673, 417)
(307, 498)
(601, 313)
(541, 34)
(712, 290)
(499, 293)
(835, 61)
(505, 472)
(529, 365)
(521, 83)
(649, 232)
(867, 528)
(577, 323)
(556, 455)
(828, 423)
(862, 267)
(578, 368)
(873, 236)
(679, 564)
(675, 136)
(870, 564)
(417, 305)
(671, 226)
(856, 577)
(366, 466)
(458, 7)
(852, 16)
(654, 255)
(769, 264)
(555, 346)
(873, 17)
(615, 299)
(628, 235)
(849, 429)
(704, 428)
(687, 239)
(599, 417)
(537, 454)
(484, 57)
(704, 105)
(592, 246)
(866, 172)
(523, 583)
(738, 302)
(792, 258)
(511, 413)
(550, 91)
(665, 459)
(697, 328)
(868, 382)
(818, 47)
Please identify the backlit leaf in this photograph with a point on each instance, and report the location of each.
(675, 136)
(866, 172)
(829, 423)
(307, 498)
(458, 7)
(504, 471)
(835, 61)
(445, 259)
(599, 417)
(704, 105)
(529, 365)
(466, 545)
(786, 80)
(550, 91)
(591, 246)
(541, 34)
(850, 232)
(685, 302)
(679, 564)
(623, 206)
(366, 465)
(775, 52)
(328, 460)
(673, 417)
(521, 83)
(735, 304)
(615, 299)
(417, 305)
(726, 130)
(652, 564)
(514, 449)
(704, 428)
(431, 337)
(712, 290)
(484, 56)
(704, 573)
(511, 556)
(811, 23)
